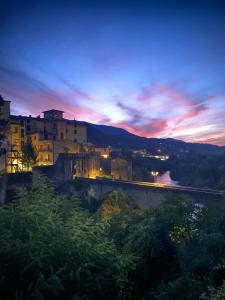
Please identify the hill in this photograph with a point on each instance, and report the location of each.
(104, 135)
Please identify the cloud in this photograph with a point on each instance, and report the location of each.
(157, 110)
(139, 123)
(160, 111)
(33, 96)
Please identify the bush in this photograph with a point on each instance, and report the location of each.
(51, 249)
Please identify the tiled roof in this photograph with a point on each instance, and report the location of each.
(18, 118)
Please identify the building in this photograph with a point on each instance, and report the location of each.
(4, 132)
(58, 143)
(104, 152)
(121, 169)
(50, 136)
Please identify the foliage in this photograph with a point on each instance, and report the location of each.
(29, 155)
(119, 212)
(198, 170)
(51, 249)
(142, 167)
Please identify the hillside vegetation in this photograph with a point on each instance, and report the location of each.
(51, 248)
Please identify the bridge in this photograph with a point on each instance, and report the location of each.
(149, 194)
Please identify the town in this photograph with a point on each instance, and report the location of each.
(51, 141)
(112, 150)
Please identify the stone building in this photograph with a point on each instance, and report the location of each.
(4, 132)
(58, 142)
(121, 169)
(50, 136)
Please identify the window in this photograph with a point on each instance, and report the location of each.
(62, 137)
(28, 127)
(22, 132)
(75, 131)
(16, 130)
(75, 140)
(22, 123)
(48, 157)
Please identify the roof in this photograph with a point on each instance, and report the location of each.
(18, 118)
(2, 100)
(53, 110)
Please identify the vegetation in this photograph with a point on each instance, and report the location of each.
(190, 169)
(142, 167)
(51, 248)
(29, 155)
(198, 170)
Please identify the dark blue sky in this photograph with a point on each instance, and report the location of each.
(155, 68)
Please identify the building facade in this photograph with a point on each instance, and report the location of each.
(50, 135)
(56, 142)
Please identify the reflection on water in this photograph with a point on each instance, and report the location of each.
(166, 179)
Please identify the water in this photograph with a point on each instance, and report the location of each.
(166, 179)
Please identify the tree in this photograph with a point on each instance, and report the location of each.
(29, 155)
(52, 249)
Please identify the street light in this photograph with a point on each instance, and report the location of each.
(154, 174)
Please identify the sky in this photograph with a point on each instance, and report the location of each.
(154, 68)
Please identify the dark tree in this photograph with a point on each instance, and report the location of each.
(29, 155)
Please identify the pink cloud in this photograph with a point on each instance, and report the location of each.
(153, 111)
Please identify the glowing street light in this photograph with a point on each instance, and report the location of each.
(154, 174)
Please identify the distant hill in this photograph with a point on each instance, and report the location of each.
(103, 136)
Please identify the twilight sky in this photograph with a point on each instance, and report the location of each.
(155, 68)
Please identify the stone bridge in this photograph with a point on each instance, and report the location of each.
(149, 194)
